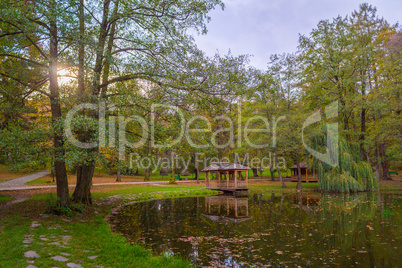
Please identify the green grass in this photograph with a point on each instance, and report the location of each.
(11, 237)
(5, 198)
(141, 193)
(92, 237)
(40, 181)
(164, 191)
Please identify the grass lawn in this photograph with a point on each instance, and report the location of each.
(83, 235)
(4, 198)
(72, 179)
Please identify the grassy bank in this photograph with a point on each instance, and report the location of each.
(85, 238)
(5, 198)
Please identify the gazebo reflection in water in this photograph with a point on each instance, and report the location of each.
(224, 208)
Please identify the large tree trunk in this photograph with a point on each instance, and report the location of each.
(362, 134)
(81, 53)
(299, 178)
(82, 192)
(272, 171)
(378, 172)
(255, 172)
(384, 163)
(279, 171)
(147, 174)
(118, 177)
(58, 130)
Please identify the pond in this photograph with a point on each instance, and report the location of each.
(262, 230)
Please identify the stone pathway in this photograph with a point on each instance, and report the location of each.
(52, 246)
(20, 182)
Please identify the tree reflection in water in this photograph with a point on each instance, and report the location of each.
(311, 229)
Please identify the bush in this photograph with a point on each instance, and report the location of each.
(56, 208)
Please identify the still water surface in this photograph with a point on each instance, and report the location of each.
(279, 230)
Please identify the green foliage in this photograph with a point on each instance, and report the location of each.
(56, 208)
(351, 175)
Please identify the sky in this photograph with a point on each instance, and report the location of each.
(264, 27)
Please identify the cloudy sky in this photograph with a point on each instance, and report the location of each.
(265, 27)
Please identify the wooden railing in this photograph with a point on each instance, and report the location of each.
(310, 177)
(240, 184)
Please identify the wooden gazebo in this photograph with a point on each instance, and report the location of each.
(306, 175)
(226, 177)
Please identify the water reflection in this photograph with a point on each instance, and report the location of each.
(309, 230)
(224, 208)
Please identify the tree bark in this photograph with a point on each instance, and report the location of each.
(146, 174)
(272, 171)
(118, 178)
(362, 134)
(81, 52)
(82, 192)
(58, 129)
(378, 172)
(255, 172)
(384, 163)
(279, 171)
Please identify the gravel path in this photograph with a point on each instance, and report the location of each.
(20, 182)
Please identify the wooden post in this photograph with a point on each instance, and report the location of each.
(227, 179)
(246, 178)
(235, 179)
(219, 179)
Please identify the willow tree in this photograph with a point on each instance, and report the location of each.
(350, 174)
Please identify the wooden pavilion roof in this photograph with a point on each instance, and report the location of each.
(222, 166)
(302, 165)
